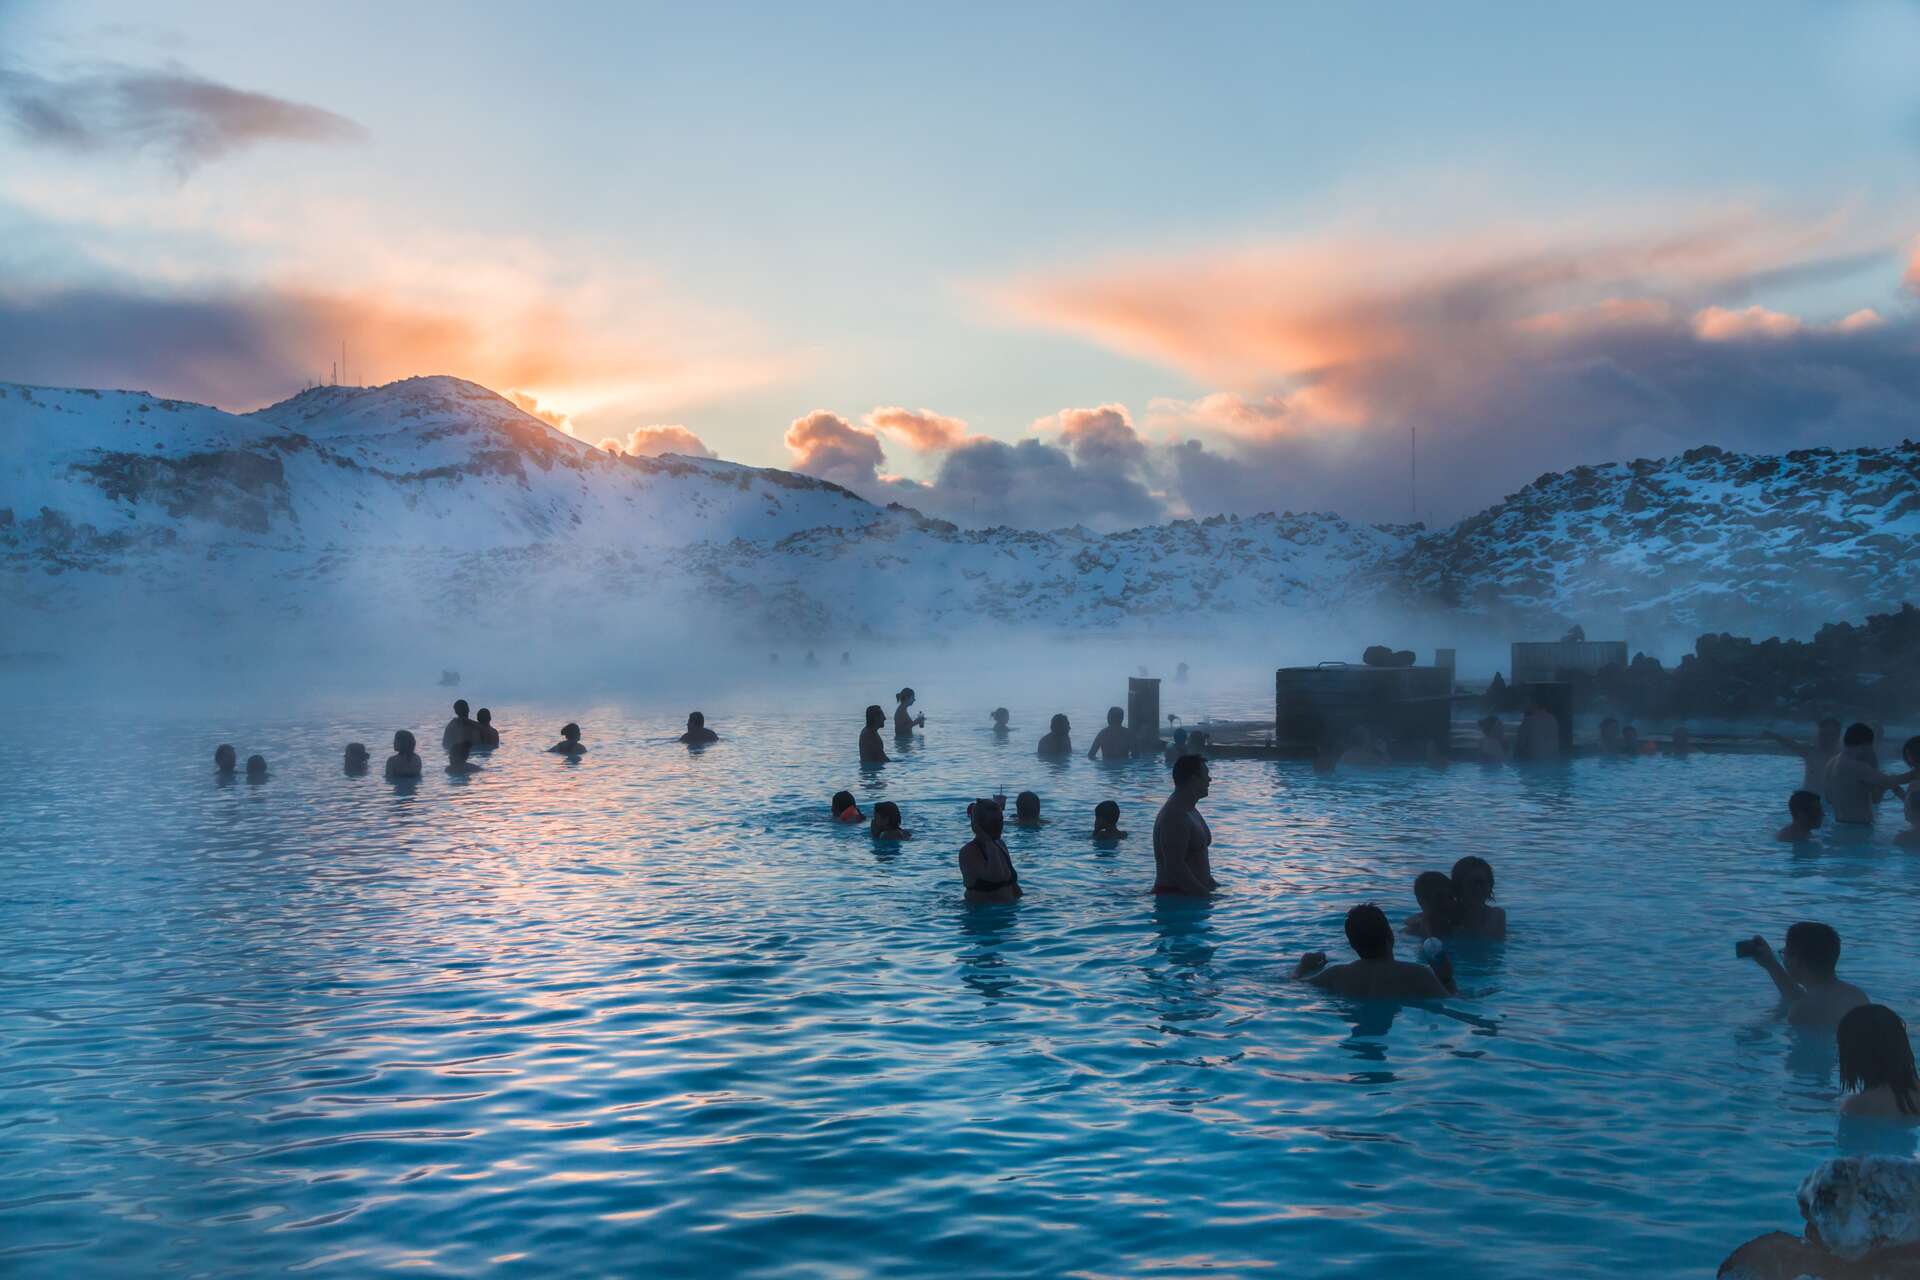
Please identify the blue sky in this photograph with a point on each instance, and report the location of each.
(729, 217)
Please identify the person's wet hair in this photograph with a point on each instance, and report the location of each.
(403, 742)
(256, 766)
(696, 720)
(356, 754)
(886, 816)
(1815, 946)
(569, 730)
(1858, 735)
(1874, 1051)
(876, 716)
(842, 801)
(460, 707)
(484, 716)
(1026, 805)
(1186, 767)
(1805, 807)
(1058, 724)
(1106, 814)
(225, 757)
(1000, 715)
(1433, 890)
(986, 815)
(904, 694)
(1472, 862)
(1369, 932)
(1116, 716)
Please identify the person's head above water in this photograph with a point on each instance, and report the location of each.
(696, 720)
(1434, 892)
(1106, 814)
(457, 754)
(1190, 776)
(841, 802)
(403, 742)
(225, 757)
(356, 754)
(905, 695)
(1858, 735)
(1369, 932)
(986, 819)
(886, 816)
(1804, 807)
(570, 731)
(256, 766)
(1026, 805)
(460, 708)
(1473, 880)
(1813, 950)
(1874, 1051)
(484, 716)
(1059, 724)
(1001, 716)
(1829, 730)
(1116, 716)
(876, 716)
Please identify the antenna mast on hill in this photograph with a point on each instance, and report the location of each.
(1413, 475)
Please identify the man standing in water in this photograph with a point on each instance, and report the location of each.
(459, 729)
(1854, 780)
(1811, 994)
(1181, 836)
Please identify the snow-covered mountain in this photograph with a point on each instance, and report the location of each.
(434, 498)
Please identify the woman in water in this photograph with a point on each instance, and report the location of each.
(403, 763)
(1026, 810)
(1112, 741)
(225, 760)
(872, 750)
(1876, 1065)
(1059, 739)
(357, 757)
(458, 765)
(1473, 890)
(569, 744)
(1000, 718)
(485, 736)
(844, 809)
(904, 721)
(886, 823)
(256, 768)
(1106, 821)
(986, 868)
(1439, 912)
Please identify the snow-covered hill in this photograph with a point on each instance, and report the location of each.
(434, 499)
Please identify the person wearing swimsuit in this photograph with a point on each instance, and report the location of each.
(986, 868)
(872, 750)
(1181, 836)
(904, 721)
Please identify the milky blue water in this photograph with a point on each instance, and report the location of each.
(654, 1014)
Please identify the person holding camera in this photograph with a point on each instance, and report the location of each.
(1810, 992)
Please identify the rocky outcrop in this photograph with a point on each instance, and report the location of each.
(1863, 1223)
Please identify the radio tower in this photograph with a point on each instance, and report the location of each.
(1413, 475)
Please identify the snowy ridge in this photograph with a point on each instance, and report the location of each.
(423, 497)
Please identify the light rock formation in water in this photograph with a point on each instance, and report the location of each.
(1863, 1223)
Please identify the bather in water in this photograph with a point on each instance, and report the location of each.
(1876, 1065)
(886, 823)
(1026, 810)
(844, 809)
(1375, 974)
(405, 761)
(1805, 814)
(904, 721)
(1855, 782)
(1811, 992)
(1000, 722)
(569, 744)
(1113, 741)
(872, 750)
(225, 760)
(697, 734)
(1439, 915)
(1181, 837)
(256, 768)
(485, 736)
(986, 868)
(1058, 740)
(1106, 821)
(459, 729)
(1473, 890)
(356, 758)
(459, 763)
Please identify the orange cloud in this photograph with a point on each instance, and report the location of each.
(1223, 411)
(925, 430)
(653, 441)
(1719, 324)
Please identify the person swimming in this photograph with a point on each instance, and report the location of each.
(1804, 817)
(844, 809)
(569, 744)
(1816, 755)
(886, 823)
(1181, 837)
(459, 729)
(1473, 891)
(986, 868)
(225, 760)
(256, 768)
(356, 758)
(1106, 821)
(1811, 994)
(1058, 740)
(1876, 1065)
(1493, 740)
(404, 762)
(1854, 781)
(1026, 810)
(1113, 742)
(458, 762)
(1439, 915)
(697, 734)
(904, 721)
(485, 736)
(1376, 975)
(1000, 719)
(872, 750)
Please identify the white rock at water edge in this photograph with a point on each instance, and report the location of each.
(1863, 1204)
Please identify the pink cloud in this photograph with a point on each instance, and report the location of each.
(1223, 411)
(1719, 324)
(653, 441)
(828, 446)
(925, 430)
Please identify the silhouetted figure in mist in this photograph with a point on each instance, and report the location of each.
(986, 868)
(1493, 740)
(813, 659)
(1854, 781)
(1473, 890)
(1026, 810)
(1805, 813)
(405, 761)
(1815, 755)
(1181, 837)
(485, 736)
(225, 760)
(904, 721)
(569, 744)
(1058, 740)
(872, 750)
(697, 734)
(1106, 821)
(846, 658)
(356, 758)
(1000, 718)
(1439, 914)
(256, 768)
(458, 763)
(1180, 674)
(459, 729)
(886, 823)
(1539, 737)
(1112, 741)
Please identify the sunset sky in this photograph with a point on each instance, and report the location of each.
(1026, 263)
